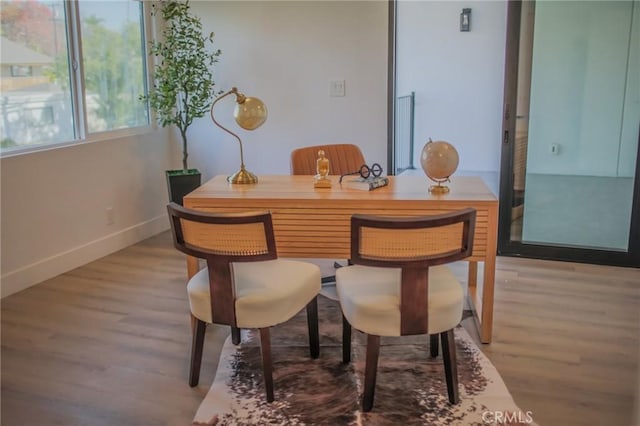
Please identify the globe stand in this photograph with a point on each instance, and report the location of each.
(439, 189)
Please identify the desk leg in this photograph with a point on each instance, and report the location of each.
(482, 304)
(473, 274)
(472, 294)
(488, 284)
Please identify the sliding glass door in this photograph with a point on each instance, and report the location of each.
(569, 185)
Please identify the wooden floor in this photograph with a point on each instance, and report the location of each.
(108, 343)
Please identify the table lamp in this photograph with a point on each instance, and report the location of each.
(249, 113)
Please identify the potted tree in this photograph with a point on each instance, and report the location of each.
(183, 86)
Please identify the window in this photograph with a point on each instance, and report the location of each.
(70, 71)
(21, 71)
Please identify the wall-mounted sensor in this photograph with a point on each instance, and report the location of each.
(465, 20)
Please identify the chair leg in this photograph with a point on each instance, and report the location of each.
(450, 364)
(267, 366)
(370, 371)
(193, 323)
(346, 340)
(433, 345)
(196, 351)
(312, 324)
(235, 335)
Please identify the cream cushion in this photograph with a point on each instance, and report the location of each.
(267, 293)
(370, 299)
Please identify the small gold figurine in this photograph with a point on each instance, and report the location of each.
(321, 179)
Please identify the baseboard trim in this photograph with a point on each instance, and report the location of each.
(27, 276)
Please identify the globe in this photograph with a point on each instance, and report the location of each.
(439, 160)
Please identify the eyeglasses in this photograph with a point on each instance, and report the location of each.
(365, 171)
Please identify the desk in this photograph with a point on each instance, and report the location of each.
(315, 223)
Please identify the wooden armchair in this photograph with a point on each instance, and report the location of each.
(244, 285)
(399, 286)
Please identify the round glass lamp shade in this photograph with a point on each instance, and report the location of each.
(250, 114)
(439, 160)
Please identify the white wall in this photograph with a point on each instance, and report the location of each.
(457, 76)
(286, 53)
(53, 216)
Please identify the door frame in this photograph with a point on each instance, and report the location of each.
(391, 86)
(506, 247)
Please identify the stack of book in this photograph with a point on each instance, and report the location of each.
(366, 184)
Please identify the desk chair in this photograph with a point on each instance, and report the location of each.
(398, 285)
(343, 158)
(244, 285)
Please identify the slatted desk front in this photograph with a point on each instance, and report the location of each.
(315, 223)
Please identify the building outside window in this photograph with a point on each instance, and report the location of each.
(21, 70)
(70, 71)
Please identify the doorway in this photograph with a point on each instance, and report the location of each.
(569, 184)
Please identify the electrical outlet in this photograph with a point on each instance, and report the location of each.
(110, 214)
(336, 88)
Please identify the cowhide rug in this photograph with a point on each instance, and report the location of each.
(410, 389)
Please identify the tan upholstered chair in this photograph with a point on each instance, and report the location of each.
(343, 158)
(399, 286)
(244, 285)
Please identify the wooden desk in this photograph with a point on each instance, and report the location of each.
(315, 223)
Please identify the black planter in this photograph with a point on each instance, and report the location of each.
(182, 182)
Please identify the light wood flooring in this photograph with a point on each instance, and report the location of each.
(108, 343)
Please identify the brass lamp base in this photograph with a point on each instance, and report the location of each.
(438, 189)
(242, 176)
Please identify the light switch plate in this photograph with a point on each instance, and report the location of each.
(336, 88)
